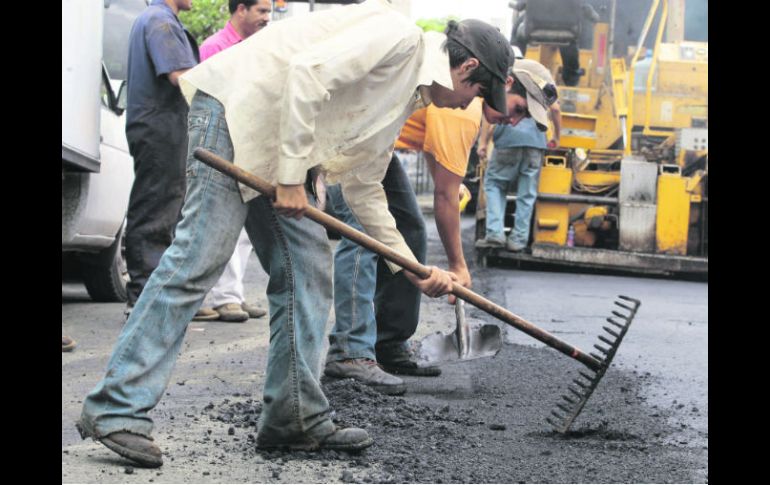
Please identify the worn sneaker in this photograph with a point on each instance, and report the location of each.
(67, 344)
(136, 448)
(367, 372)
(513, 247)
(403, 361)
(490, 242)
(347, 439)
(206, 314)
(231, 312)
(253, 310)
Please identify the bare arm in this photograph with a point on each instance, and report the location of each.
(484, 134)
(173, 77)
(555, 111)
(446, 204)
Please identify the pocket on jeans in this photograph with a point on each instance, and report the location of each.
(197, 126)
(535, 157)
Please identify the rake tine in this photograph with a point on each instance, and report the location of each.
(630, 309)
(619, 315)
(609, 319)
(632, 300)
(564, 408)
(576, 393)
(601, 349)
(558, 416)
(580, 383)
(587, 377)
(568, 399)
(606, 341)
(596, 356)
(611, 332)
(555, 426)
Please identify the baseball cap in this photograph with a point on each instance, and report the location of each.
(541, 90)
(493, 51)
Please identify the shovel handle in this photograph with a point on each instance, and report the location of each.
(386, 252)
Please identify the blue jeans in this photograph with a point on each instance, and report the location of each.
(376, 311)
(297, 258)
(521, 166)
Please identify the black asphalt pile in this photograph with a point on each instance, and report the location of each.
(489, 428)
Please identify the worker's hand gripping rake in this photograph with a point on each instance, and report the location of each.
(577, 397)
(594, 362)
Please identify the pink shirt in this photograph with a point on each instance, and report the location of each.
(219, 41)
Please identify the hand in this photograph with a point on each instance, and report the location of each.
(554, 143)
(481, 151)
(320, 191)
(291, 200)
(438, 283)
(463, 279)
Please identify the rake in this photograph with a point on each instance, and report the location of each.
(577, 398)
(594, 362)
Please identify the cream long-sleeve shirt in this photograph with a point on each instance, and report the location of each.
(332, 88)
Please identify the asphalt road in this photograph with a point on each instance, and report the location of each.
(480, 422)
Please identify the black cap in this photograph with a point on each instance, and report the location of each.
(493, 51)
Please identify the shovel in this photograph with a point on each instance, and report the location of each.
(597, 364)
(465, 343)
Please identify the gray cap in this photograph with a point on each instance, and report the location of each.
(541, 89)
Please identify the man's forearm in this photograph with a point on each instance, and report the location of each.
(555, 110)
(447, 210)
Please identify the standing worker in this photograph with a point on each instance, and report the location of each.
(518, 154)
(160, 50)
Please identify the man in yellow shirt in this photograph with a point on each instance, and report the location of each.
(366, 334)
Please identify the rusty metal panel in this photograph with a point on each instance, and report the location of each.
(638, 209)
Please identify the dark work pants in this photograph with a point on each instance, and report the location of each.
(397, 301)
(159, 148)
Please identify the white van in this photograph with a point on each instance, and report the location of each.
(97, 170)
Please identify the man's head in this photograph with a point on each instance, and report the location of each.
(177, 5)
(249, 16)
(530, 94)
(479, 58)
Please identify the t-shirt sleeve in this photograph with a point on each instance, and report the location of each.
(449, 136)
(168, 46)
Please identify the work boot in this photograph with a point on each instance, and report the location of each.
(367, 372)
(347, 439)
(490, 241)
(67, 344)
(205, 314)
(135, 447)
(402, 360)
(253, 310)
(231, 312)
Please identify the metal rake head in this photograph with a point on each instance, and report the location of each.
(577, 397)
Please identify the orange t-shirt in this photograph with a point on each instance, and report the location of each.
(447, 134)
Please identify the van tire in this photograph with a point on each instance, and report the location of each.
(105, 274)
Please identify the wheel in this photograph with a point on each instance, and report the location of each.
(105, 274)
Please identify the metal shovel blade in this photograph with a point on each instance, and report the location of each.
(465, 343)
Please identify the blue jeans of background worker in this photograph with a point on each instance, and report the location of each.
(519, 166)
(295, 254)
(376, 311)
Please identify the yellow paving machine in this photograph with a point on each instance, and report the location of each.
(627, 189)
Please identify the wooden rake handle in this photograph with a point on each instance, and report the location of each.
(386, 252)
